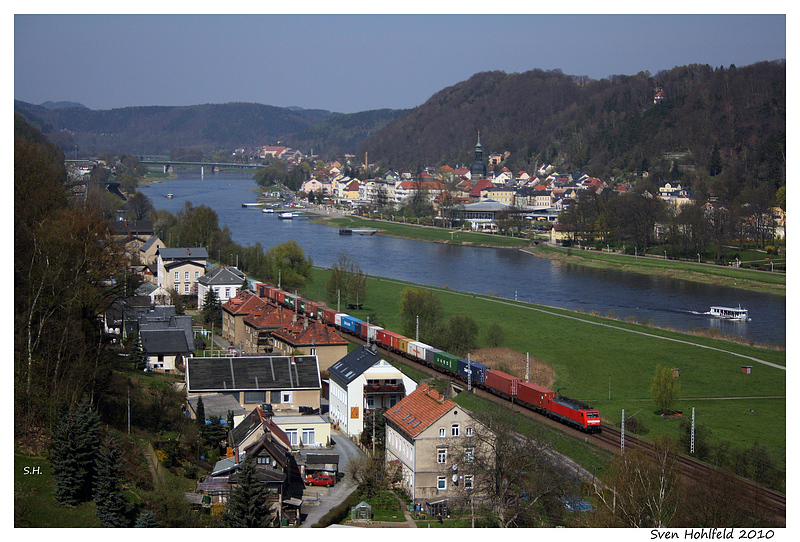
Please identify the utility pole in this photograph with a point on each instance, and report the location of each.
(622, 433)
(691, 447)
(527, 365)
(417, 339)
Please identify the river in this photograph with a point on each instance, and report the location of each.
(511, 274)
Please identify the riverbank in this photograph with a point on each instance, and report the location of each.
(730, 277)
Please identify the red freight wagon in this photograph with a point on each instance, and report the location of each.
(329, 315)
(385, 337)
(311, 309)
(279, 296)
(502, 382)
(535, 395)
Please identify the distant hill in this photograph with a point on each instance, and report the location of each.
(599, 127)
(209, 128)
(62, 105)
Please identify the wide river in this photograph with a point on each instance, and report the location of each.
(506, 273)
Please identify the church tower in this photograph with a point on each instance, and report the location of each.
(478, 169)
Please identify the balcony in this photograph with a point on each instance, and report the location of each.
(381, 389)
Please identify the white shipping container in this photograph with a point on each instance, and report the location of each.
(372, 332)
(418, 349)
(337, 319)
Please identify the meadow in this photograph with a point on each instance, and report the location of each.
(610, 364)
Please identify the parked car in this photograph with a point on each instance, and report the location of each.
(319, 480)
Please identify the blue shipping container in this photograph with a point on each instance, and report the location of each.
(351, 323)
(478, 370)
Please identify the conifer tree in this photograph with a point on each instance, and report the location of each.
(200, 418)
(247, 505)
(146, 520)
(137, 353)
(73, 453)
(110, 501)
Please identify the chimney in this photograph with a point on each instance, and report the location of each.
(236, 456)
(188, 251)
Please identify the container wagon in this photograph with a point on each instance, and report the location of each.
(478, 370)
(534, 395)
(418, 350)
(350, 323)
(446, 361)
(502, 382)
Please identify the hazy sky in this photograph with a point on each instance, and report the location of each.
(349, 63)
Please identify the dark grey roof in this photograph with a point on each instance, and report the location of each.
(131, 228)
(186, 253)
(222, 276)
(165, 341)
(150, 242)
(252, 373)
(352, 365)
(218, 404)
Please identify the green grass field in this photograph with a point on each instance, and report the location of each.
(587, 351)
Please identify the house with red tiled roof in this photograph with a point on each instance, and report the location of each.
(430, 438)
(257, 328)
(234, 312)
(475, 191)
(310, 338)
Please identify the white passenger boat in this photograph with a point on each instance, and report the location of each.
(727, 313)
(286, 216)
(269, 211)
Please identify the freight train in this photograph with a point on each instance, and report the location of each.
(538, 398)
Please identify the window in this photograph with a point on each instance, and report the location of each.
(186, 288)
(441, 432)
(441, 456)
(313, 351)
(308, 436)
(177, 276)
(370, 402)
(468, 482)
(454, 430)
(469, 431)
(227, 293)
(441, 483)
(196, 275)
(469, 455)
(392, 400)
(255, 397)
(186, 276)
(291, 434)
(286, 397)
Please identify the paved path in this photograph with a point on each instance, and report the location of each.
(329, 498)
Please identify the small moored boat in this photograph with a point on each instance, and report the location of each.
(269, 211)
(286, 216)
(357, 231)
(728, 313)
(170, 195)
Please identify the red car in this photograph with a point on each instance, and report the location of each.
(319, 480)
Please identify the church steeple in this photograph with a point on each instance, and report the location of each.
(478, 169)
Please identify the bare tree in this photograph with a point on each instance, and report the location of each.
(642, 490)
(512, 474)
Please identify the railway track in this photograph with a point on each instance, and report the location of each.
(610, 439)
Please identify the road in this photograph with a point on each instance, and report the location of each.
(330, 497)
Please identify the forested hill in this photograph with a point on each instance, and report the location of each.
(208, 128)
(598, 127)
